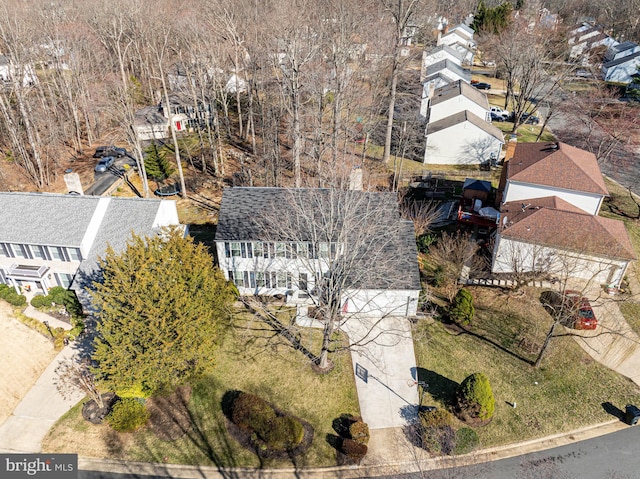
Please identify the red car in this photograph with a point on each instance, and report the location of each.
(580, 310)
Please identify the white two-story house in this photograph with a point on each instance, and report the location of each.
(51, 240)
(302, 243)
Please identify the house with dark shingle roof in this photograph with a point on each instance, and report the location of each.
(551, 196)
(462, 139)
(623, 69)
(553, 236)
(553, 169)
(293, 242)
(454, 98)
(51, 240)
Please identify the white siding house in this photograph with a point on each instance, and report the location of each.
(266, 248)
(621, 70)
(538, 170)
(438, 54)
(462, 139)
(586, 246)
(55, 240)
(454, 98)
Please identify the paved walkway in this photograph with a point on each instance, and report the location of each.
(386, 395)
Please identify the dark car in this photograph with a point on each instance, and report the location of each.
(103, 151)
(529, 119)
(104, 164)
(481, 86)
(570, 308)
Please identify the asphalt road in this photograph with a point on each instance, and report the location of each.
(614, 456)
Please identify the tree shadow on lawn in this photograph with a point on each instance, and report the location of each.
(441, 389)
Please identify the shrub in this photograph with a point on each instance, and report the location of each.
(40, 301)
(5, 289)
(439, 439)
(256, 415)
(127, 415)
(475, 397)
(353, 449)
(438, 278)
(15, 299)
(462, 309)
(466, 440)
(359, 432)
(425, 241)
(436, 418)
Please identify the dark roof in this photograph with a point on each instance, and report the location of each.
(386, 256)
(538, 221)
(458, 88)
(621, 60)
(477, 185)
(557, 165)
(461, 117)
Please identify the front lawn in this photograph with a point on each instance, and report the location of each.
(247, 362)
(565, 393)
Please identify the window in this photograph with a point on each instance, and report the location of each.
(249, 250)
(4, 250)
(40, 252)
(282, 279)
(64, 280)
(56, 253)
(258, 250)
(324, 250)
(227, 250)
(252, 279)
(19, 251)
(272, 251)
(235, 249)
(74, 254)
(302, 250)
(260, 279)
(237, 277)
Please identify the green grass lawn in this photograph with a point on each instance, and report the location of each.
(567, 392)
(247, 361)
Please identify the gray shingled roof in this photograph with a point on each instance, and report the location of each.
(450, 50)
(621, 60)
(268, 214)
(45, 219)
(458, 88)
(448, 65)
(461, 117)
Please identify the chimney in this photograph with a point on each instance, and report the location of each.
(355, 179)
(511, 148)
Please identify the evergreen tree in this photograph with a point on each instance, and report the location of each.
(156, 164)
(475, 397)
(159, 306)
(462, 310)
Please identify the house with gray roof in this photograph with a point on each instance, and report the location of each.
(438, 54)
(463, 138)
(55, 240)
(302, 243)
(624, 68)
(454, 98)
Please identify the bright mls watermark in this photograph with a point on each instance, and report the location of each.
(45, 466)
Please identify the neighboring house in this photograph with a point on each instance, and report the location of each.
(9, 70)
(466, 52)
(294, 261)
(583, 48)
(438, 54)
(455, 98)
(538, 170)
(548, 235)
(461, 33)
(150, 124)
(441, 74)
(622, 69)
(619, 50)
(462, 139)
(55, 240)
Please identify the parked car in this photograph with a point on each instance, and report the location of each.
(571, 308)
(481, 86)
(529, 119)
(111, 150)
(579, 310)
(499, 113)
(104, 164)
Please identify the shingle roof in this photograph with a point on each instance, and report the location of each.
(458, 88)
(556, 165)
(461, 117)
(553, 222)
(450, 50)
(447, 64)
(387, 243)
(621, 60)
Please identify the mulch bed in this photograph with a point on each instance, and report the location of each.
(170, 418)
(243, 436)
(95, 414)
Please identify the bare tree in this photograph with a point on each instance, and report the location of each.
(73, 375)
(453, 252)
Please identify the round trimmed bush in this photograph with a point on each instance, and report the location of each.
(435, 418)
(359, 432)
(462, 310)
(15, 299)
(40, 301)
(284, 432)
(475, 397)
(127, 415)
(353, 449)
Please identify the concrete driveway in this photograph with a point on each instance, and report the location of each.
(383, 362)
